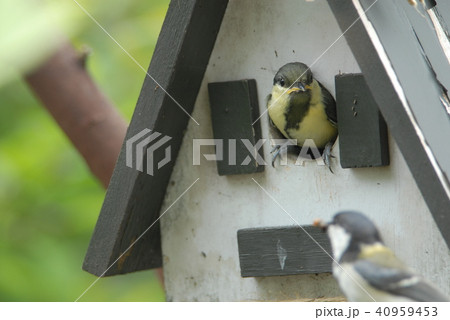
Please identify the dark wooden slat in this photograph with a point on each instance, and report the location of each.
(363, 140)
(234, 108)
(409, 64)
(443, 9)
(430, 44)
(283, 251)
(134, 198)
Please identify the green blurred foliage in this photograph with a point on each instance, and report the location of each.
(49, 201)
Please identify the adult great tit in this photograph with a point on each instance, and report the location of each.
(366, 269)
(301, 108)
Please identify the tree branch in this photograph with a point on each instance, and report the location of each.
(86, 116)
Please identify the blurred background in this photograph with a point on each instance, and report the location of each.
(49, 200)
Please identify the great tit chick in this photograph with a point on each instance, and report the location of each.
(302, 109)
(366, 269)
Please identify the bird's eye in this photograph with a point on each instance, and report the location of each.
(281, 81)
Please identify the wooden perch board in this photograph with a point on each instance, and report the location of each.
(363, 139)
(234, 109)
(283, 251)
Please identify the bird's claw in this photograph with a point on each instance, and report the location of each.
(327, 156)
(277, 150)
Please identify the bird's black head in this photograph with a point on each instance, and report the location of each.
(294, 75)
(348, 232)
(361, 229)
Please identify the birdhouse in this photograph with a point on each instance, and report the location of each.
(194, 190)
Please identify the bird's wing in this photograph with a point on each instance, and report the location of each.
(398, 282)
(330, 105)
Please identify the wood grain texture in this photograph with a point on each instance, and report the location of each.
(283, 251)
(234, 108)
(409, 61)
(363, 140)
(133, 200)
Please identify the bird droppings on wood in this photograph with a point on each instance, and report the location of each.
(166, 259)
(125, 255)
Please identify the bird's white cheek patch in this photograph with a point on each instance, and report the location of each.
(339, 239)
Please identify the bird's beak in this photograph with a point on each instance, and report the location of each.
(320, 224)
(298, 87)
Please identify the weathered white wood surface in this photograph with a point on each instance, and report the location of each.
(200, 253)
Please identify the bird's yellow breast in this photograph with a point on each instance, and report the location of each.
(314, 125)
